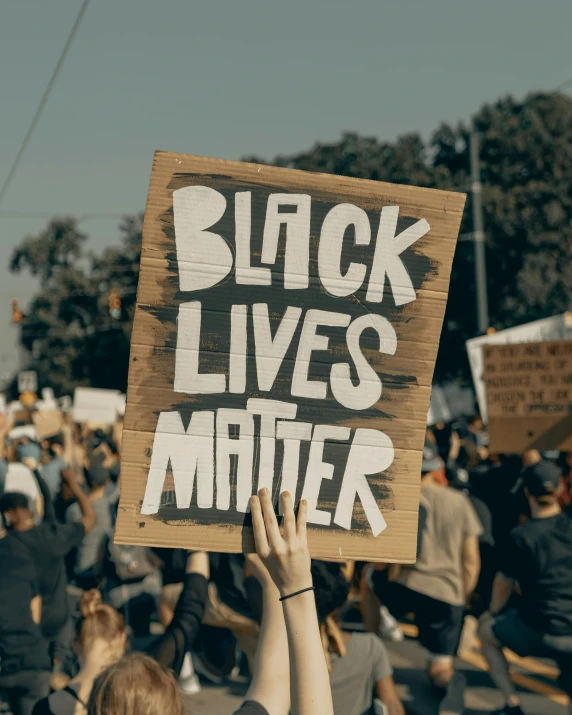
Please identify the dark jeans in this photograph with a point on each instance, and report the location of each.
(439, 623)
(511, 631)
(23, 690)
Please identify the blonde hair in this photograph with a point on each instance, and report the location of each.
(98, 621)
(135, 685)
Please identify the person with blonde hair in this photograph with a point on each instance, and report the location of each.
(101, 642)
(290, 675)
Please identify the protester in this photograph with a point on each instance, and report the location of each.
(48, 543)
(53, 464)
(436, 588)
(24, 661)
(18, 477)
(101, 641)
(90, 552)
(173, 572)
(459, 479)
(133, 584)
(290, 636)
(358, 662)
(538, 564)
(229, 605)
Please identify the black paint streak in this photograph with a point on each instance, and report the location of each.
(215, 332)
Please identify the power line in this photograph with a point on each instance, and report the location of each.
(52, 214)
(564, 85)
(43, 101)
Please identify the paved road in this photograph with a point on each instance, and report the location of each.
(534, 679)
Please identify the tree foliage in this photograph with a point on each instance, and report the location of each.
(68, 330)
(526, 169)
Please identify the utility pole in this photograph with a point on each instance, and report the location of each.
(479, 238)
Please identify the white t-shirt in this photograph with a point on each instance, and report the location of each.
(20, 478)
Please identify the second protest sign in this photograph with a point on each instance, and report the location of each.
(285, 335)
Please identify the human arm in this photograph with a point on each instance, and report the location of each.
(454, 450)
(170, 648)
(36, 609)
(67, 433)
(288, 562)
(5, 425)
(387, 692)
(88, 516)
(471, 564)
(503, 588)
(270, 686)
(49, 513)
(470, 553)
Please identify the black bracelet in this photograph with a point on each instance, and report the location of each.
(297, 593)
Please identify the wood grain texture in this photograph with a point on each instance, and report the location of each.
(405, 376)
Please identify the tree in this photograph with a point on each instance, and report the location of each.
(526, 166)
(68, 330)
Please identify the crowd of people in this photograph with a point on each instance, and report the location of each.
(90, 626)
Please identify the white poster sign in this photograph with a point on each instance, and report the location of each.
(558, 327)
(27, 381)
(95, 405)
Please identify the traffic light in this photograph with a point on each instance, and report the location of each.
(114, 305)
(17, 315)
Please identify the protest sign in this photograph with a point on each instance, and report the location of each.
(94, 405)
(27, 381)
(529, 396)
(120, 405)
(557, 327)
(438, 408)
(23, 432)
(285, 336)
(48, 423)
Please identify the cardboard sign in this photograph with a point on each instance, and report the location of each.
(285, 336)
(27, 381)
(529, 396)
(558, 327)
(48, 423)
(94, 405)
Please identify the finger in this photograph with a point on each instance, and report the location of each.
(289, 518)
(301, 521)
(258, 528)
(270, 521)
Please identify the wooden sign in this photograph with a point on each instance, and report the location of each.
(529, 396)
(285, 335)
(48, 423)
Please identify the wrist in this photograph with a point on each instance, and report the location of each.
(302, 585)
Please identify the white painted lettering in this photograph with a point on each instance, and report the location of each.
(297, 253)
(387, 261)
(189, 453)
(204, 258)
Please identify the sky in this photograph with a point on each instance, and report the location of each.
(229, 78)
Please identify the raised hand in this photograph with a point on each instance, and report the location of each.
(286, 556)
